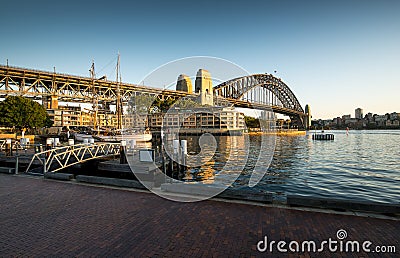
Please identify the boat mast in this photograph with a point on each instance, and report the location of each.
(119, 103)
(94, 98)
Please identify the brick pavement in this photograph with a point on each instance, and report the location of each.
(49, 218)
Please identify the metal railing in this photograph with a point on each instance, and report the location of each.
(16, 145)
(59, 158)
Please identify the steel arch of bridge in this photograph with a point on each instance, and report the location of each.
(238, 87)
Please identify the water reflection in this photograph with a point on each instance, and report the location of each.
(226, 163)
(361, 166)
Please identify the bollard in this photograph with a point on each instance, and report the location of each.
(175, 158)
(164, 168)
(132, 144)
(176, 146)
(49, 144)
(122, 153)
(8, 147)
(183, 155)
(44, 166)
(184, 151)
(91, 141)
(16, 163)
(171, 166)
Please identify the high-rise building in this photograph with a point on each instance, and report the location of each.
(359, 113)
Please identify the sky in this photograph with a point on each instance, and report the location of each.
(334, 55)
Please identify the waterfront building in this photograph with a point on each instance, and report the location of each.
(337, 121)
(345, 117)
(380, 120)
(394, 116)
(69, 116)
(74, 116)
(201, 119)
(350, 121)
(369, 116)
(394, 123)
(359, 113)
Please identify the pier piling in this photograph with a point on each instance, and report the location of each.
(16, 163)
(8, 147)
(122, 153)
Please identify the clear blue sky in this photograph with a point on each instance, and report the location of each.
(335, 55)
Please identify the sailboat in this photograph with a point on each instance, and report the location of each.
(122, 133)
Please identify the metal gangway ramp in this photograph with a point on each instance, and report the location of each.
(59, 158)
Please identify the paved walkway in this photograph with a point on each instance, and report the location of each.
(49, 218)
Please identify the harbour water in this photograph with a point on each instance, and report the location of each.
(361, 166)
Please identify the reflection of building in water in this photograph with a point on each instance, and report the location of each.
(198, 120)
(267, 120)
(229, 149)
(205, 173)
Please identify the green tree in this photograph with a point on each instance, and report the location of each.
(186, 103)
(19, 112)
(252, 122)
(141, 103)
(166, 104)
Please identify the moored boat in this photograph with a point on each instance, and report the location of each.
(81, 136)
(126, 136)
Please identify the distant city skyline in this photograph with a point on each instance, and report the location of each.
(353, 114)
(334, 56)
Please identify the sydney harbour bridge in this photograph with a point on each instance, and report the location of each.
(257, 91)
